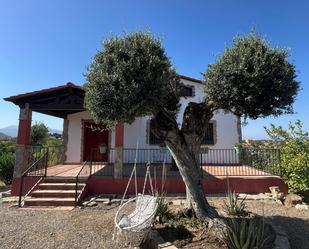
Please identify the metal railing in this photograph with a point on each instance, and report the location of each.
(35, 173)
(245, 162)
(216, 162)
(266, 160)
(55, 154)
(81, 178)
(145, 155)
(103, 166)
(99, 164)
(219, 157)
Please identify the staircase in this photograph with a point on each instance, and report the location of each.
(55, 191)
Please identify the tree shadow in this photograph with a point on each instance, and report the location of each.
(296, 229)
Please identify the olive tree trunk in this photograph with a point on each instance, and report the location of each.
(184, 144)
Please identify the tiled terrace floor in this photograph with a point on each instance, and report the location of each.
(68, 170)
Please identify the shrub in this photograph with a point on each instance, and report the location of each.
(39, 134)
(55, 151)
(294, 163)
(163, 212)
(7, 162)
(247, 234)
(234, 206)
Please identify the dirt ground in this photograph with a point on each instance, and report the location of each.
(38, 229)
(93, 227)
(295, 222)
(3, 187)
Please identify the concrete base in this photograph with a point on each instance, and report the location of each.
(118, 166)
(22, 159)
(250, 185)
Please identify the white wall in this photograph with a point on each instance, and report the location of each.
(226, 125)
(226, 128)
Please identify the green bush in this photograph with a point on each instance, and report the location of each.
(294, 163)
(39, 134)
(7, 161)
(55, 151)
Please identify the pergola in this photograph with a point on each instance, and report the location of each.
(60, 102)
(57, 101)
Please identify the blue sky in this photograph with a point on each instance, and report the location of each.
(48, 43)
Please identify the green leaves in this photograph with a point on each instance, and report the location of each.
(245, 233)
(233, 205)
(252, 79)
(39, 134)
(130, 77)
(294, 164)
(7, 161)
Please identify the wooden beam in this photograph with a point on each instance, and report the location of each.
(54, 114)
(57, 107)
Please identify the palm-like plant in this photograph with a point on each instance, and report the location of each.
(233, 205)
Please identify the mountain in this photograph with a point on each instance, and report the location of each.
(50, 130)
(4, 136)
(13, 129)
(10, 130)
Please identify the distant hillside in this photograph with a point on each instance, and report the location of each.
(10, 130)
(4, 136)
(50, 130)
(13, 129)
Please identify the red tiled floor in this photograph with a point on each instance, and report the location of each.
(64, 170)
(233, 170)
(69, 170)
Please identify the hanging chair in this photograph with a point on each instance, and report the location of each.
(136, 224)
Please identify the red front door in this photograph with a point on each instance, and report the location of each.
(94, 138)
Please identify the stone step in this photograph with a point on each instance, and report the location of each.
(59, 186)
(43, 202)
(46, 193)
(63, 180)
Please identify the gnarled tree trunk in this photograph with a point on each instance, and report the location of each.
(184, 144)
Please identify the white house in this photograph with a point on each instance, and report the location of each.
(224, 129)
(83, 139)
(102, 157)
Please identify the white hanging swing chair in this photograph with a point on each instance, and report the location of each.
(135, 225)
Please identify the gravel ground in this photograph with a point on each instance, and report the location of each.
(93, 227)
(39, 229)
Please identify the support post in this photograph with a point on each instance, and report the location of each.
(119, 139)
(240, 154)
(23, 147)
(65, 137)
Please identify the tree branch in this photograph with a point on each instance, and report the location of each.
(195, 121)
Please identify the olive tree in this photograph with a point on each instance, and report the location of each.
(132, 77)
(39, 134)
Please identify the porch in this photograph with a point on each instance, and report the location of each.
(66, 184)
(157, 170)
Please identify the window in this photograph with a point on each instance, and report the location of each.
(209, 136)
(187, 91)
(153, 139)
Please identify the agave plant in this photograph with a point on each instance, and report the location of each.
(233, 205)
(246, 234)
(163, 212)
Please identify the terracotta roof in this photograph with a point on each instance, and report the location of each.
(70, 85)
(190, 79)
(43, 91)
